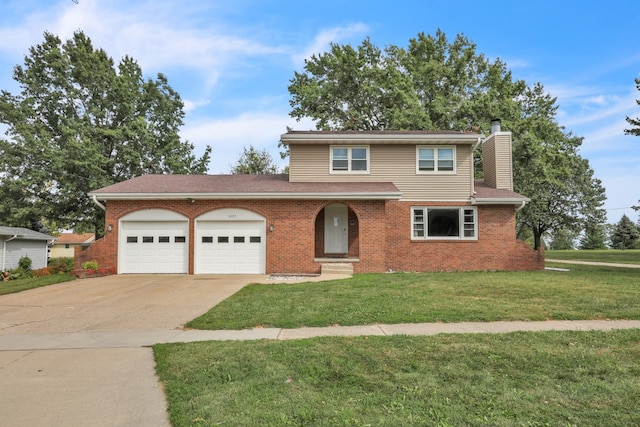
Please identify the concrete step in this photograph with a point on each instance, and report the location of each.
(336, 268)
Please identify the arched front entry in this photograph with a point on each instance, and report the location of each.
(153, 241)
(230, 241)
(337, 232)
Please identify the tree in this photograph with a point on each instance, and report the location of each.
(594, 236)
(434, 84)
(80, 123)
(254, 162)
(634, 122)
(625, 234)
(548, 168)
(563, 240)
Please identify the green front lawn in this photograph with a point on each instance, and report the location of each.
(629, 256)
(19, 285)
(517, 379)
(583, 293)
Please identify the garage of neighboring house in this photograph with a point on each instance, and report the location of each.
(230, 241)
(154, 241)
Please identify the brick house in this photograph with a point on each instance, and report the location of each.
(373, 200)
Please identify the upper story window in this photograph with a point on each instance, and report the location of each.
(435, 159)
(350, 160)
(444, 223)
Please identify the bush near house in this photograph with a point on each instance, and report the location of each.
(60, 265)
(90, 265)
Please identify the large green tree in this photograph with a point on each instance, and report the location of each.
(636, 129)
(548, 168)
(625, 234)
(634, 122)
(80, 123)
(433, 84)
(437, 84)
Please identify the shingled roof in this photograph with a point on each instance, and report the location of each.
(241, 187)
(24, 233)
(485, 194)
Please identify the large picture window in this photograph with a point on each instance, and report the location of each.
(435, 159)
(349, 159)
(443, 223)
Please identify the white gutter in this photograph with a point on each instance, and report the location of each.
(4, 251)
(100, 205)
(500, 201)
(241, 196)
(388, 138)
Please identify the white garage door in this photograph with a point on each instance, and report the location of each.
(235, 246)
(154, 246)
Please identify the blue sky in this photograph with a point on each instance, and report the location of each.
(231, 61)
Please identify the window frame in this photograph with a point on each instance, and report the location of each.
(350, 159)
(436, 160)
(463, 223)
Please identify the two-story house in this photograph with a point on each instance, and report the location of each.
(375, 200)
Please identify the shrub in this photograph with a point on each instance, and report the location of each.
(20, 273)
(25, 263)
(60, 265)
(90, 265)
(41, 272)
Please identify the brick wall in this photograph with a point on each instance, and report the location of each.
(293, 245)
(495, 249)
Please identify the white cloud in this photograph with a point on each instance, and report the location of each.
(227, 137)
(332, 35)
(159, 35)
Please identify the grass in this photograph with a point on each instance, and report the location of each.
(20, 285)
(517, 379)
(585, 292)
(629, 256)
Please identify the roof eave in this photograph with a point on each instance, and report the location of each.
(499, 200)
(253, 196)
(399, 138)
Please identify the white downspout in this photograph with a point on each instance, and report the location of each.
(100, 205)
(521, 206)
(4, 251)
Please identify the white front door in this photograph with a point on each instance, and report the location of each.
(336, 229)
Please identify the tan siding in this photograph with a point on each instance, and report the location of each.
(504, 177)
(496, 159)
(394, 163)
(489, 161)
(308, 162)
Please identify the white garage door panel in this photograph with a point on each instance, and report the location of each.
(154, 247)
(228, 247)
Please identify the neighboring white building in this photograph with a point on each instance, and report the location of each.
(18, 242)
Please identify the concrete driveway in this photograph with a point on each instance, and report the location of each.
(96, 386)
(116, 303)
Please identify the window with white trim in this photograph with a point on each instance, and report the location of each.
(435, 159)
(444, 223)
(349, 159)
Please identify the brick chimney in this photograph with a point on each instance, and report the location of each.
(496, 158)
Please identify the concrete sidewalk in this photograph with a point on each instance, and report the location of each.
(145, 338)
(606, 264)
